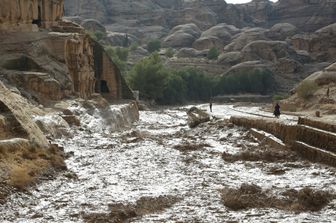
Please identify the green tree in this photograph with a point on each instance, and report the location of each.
(213, 53)
(169, 52)
(255, 81)
(99, 35)
(175, 90)
(154, 45)
(125, 41)
(149, 77)
(119, 56)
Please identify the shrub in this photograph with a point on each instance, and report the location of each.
(119, 56)
(170, 52)
(148, 76)
(306, 89)
(255, 81)
(134, 46)
(174, 90)
(213, 53)
(153, 45)
(20, 177)
(279, 97)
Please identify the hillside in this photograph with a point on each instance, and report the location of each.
(292, 39)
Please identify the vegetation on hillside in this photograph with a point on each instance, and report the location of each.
(167, 86)
(306, 89)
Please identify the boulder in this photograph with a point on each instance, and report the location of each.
(118, 39)
(267, 50)
(287, 66)
(325, 76)
(247, 36)
(182, 36)
(247, 67)
(196, 117)
(191, 52)
(281, 31)
(216, 36)
(231, 58)
(321, 45)
(93, 25)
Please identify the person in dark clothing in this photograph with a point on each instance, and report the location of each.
(328, 93)
(277, 110)
(210, 105)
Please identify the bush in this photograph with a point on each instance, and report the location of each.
(199, 85)
(213, 53)
(306, 89)
(153, 45)
(149, 76)
(170, 52)
(174, 90)
(134, 46)
(119, 56)
(279, 97)
(256, 81)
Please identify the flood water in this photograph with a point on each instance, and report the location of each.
(142, 161)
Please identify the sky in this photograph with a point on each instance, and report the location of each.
(241, 1)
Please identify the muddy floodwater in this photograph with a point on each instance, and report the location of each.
(146, 160)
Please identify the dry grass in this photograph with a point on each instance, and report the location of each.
(20, 177)
(124, 212)
(23, 166)
(252, 196)
(190, 146)
(261, 153)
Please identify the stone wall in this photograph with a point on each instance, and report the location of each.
(20, 15)
(310, 142)
(78, 54)
(109, 81)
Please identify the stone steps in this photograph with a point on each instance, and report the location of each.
(330, 127)
(317, 137)
(312, 143)
(314, 154)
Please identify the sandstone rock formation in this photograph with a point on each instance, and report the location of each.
(27, 15)
(267, 50)
(191, 52)
(231, 58)
(182, 36)
(320, 44)
(196, 117)
(242, 39)
(217, 36)
(93, 25)
(281, 31)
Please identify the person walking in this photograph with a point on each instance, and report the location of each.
(277, 110)
(210, 105)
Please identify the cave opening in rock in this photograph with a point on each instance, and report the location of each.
(103, 87)
(38, 21)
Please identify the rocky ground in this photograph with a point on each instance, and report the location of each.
(160, 170)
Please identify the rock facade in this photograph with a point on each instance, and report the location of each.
(28, 15)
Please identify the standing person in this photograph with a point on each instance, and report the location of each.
(328, 93)
(210, 105)
(277, 110)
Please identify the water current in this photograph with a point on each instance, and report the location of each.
(142, 161)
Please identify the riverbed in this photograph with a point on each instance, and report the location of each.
(107, 168)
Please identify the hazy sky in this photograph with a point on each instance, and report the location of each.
(241, 1)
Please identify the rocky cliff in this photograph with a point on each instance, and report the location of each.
(28, 15)
(291, 38)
